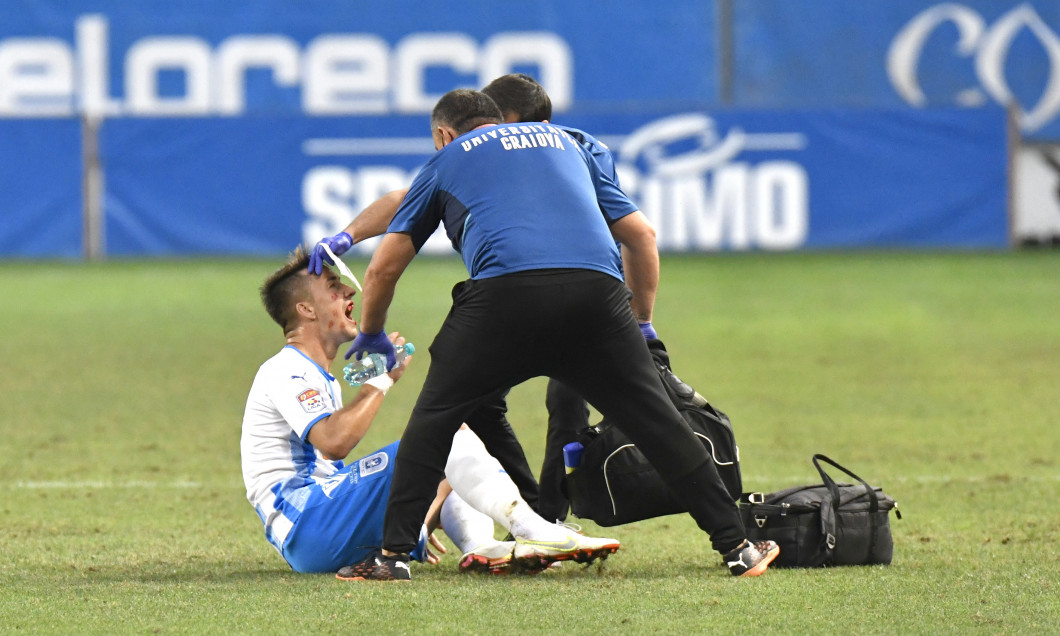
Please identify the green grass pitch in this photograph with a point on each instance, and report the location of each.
(935, 376)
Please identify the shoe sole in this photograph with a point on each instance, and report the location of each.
(762, 565)
(534, 563)
(478, 564)
(361, 578)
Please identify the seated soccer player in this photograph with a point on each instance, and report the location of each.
(322, 514)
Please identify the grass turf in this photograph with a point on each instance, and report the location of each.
(932, 375)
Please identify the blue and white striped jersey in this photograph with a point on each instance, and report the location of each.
(289, 395)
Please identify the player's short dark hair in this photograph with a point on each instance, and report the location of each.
(465, 109)
(520, 94)
(285, 287)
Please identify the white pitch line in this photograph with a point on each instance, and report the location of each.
(920, 479)
(93, 484)
(100, 484)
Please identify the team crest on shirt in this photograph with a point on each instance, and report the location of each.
(373, 464)
(311, 401)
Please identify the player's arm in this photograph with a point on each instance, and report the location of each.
(434, 521)
(388, 263)
(337, 434)
(374, 219)
(414, 223)
(640, 262)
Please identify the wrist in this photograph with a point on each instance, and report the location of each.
(382, 382)
(647, 330)
(371, 335)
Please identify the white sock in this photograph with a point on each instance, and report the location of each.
(479, 479)
(466, 527)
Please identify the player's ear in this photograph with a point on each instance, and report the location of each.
(306, 310)
(443, 136)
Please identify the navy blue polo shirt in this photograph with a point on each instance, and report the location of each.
(517, 197)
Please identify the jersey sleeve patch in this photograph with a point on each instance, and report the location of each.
(311, 401)
(374, 463)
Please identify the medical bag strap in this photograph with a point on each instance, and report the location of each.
(874, 506)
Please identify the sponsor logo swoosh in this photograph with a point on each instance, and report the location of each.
(569, 544)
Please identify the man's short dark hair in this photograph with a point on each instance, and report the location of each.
(464, 109)
(520, 94)
(285, 288)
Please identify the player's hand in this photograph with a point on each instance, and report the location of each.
(648, 331)
(373, 343)
(435, 543)
(339, 244)
(399, 369)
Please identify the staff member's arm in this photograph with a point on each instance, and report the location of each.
(640, 262)
(372, 221)
(388, 263)
(337, 434)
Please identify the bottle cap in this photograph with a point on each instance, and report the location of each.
(572, 456)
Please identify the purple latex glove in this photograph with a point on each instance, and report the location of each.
(648, 331)
(373, 343)
(340, 244)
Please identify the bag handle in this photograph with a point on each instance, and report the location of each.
(834, 489)
(828, 512)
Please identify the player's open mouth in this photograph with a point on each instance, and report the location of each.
(349, 311)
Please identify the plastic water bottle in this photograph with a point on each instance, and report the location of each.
(572, 456)
(374, 365)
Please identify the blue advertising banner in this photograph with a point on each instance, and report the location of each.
(161, 58)
(215, 111)
(40, 188)
(901, 53)
(251, 185)
(781, 180)
(727, 180)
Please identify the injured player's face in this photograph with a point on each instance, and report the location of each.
(333, 301)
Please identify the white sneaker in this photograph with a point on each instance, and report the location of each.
(489, 558)
(534, 556)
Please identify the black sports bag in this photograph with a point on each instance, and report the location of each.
(823, 524)
(615, 484)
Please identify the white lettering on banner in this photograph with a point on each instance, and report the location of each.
(333, 195)
(990, 48)
(35, 76)
(701, 199)
(338, 74)
(237, 55)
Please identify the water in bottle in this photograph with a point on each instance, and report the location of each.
(374, 364)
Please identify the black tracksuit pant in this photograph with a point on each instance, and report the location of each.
(572, 325)
(568, 416)
(490, 424)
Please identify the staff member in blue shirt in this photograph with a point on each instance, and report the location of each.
(536, 222)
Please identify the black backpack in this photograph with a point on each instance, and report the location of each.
(615, 484)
